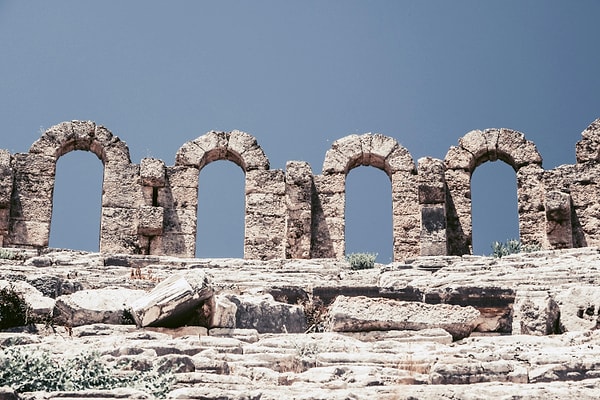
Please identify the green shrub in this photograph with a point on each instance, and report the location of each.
(14, 310)
(512, 246)
(7, 254)
(27, 370)
(361, 260)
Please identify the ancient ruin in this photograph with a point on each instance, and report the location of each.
(150, 208)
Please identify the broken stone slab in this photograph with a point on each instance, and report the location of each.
(359, 314)
(173, 301)
(85, 307)
(259, 312)
(535, 312)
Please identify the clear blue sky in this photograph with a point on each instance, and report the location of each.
(297, 76)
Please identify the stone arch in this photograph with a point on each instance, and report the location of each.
(264, 190)
(375, 150)
(475, 148)
(34, 186)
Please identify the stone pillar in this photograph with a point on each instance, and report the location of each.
(31, 201)
(405, 213)
(328, 223)
(298, 201)
(121, 198)
(179, 200)
(6, 186)
(432, 200)
(265, 215)
(530, 197)
(151, 215)
(558, 220)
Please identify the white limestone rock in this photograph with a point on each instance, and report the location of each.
(356, 314)
(86, 307)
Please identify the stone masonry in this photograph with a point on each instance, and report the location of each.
(151, 208)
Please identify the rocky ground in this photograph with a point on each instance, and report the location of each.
(523, 326)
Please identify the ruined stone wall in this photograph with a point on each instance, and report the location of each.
(151, 208)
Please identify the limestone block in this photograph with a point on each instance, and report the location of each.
(431, 181)
(382, 146)
(516, 150)
(172, 300)
(265, 204)
(558, 220)
(401, 160)
(333, 204)
(255, 159)
(332, 183)
(119, 230)
(84, 132)
(179, 197)
(459, 158)
(183, 176)
(223, 312)
(588, 148)
(174, 244)
(153, 172)
(579, 308)
(266, 315)
(150, 220)
(357, 314)
(433, 230)
(122, 188)
(28, 233)
(535, 313)
(31, 208)
(481, 144)
(265, 181)
(87, 307)
(190, 155)
(240, 142)
(4, 219)
(181, 221)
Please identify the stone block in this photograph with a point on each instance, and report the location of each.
(172, 301)
(265, 181)
(266, 315)
(86, 307)
(179, 197)
(357, 314)
(559, 231)
(150, 220)
(174, 244)
(4, 219)
(28, 233)
(153, 172)
(265, 204)
(190, 155)
(332, 183)
(180, 221)
(183, 176)
(535, 313)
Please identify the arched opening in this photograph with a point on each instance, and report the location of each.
(369, 213)
(77, 202)
(221, 208)
(494, 206)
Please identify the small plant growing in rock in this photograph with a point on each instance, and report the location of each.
(14, 310)
(512, 246)
(30, 371)
(361, 260)
(6, 254)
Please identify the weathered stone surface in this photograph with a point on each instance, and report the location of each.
(367, 314)
(150, 220)
(173, 298)
(40, 305)
(535, 313)
(153, 172)
(261, 313)
(98, 306)
(579, 308)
